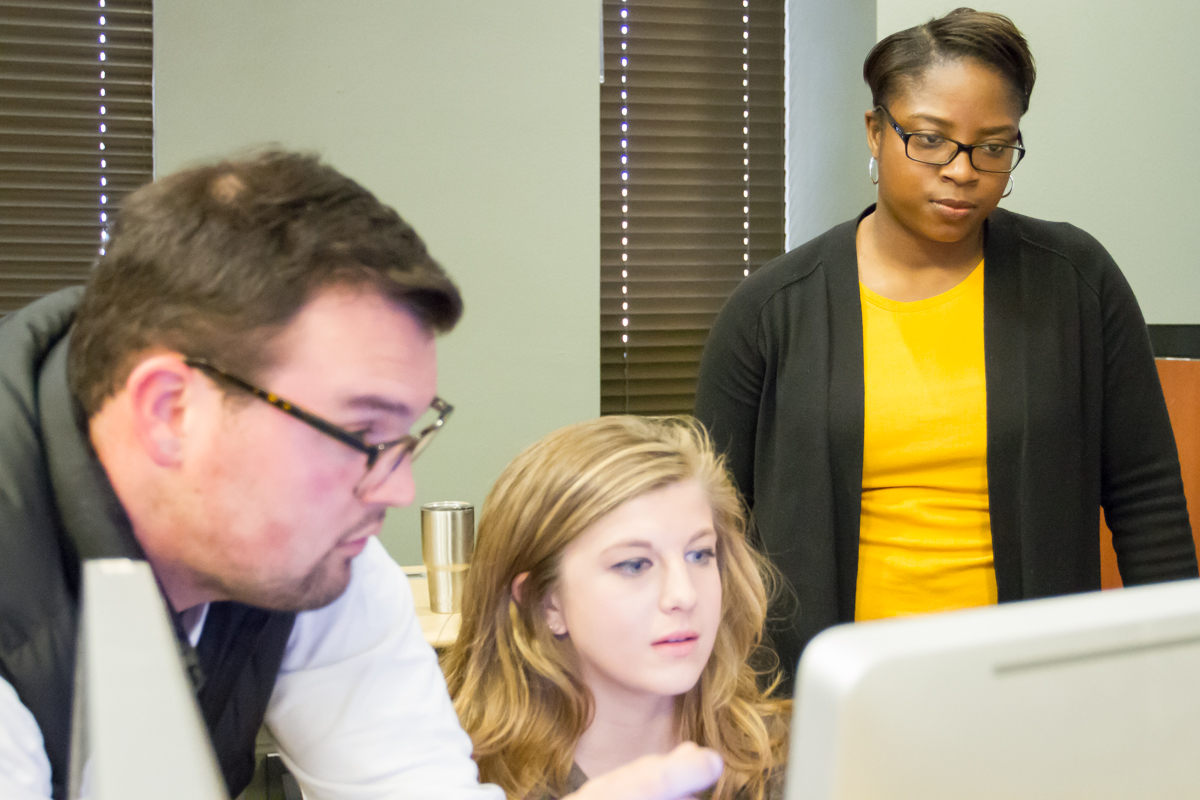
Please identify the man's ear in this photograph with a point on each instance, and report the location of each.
(159, 389)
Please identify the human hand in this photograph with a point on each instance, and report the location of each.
(686, 769)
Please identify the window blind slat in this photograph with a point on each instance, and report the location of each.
(691, 185)
(64, 164)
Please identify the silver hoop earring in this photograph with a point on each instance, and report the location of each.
(873, 170)
(1011, 183)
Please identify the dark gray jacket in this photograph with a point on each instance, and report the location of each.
(57, 508)
(1075, 419)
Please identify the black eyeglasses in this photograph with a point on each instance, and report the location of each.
(933, 148)
(382, 458)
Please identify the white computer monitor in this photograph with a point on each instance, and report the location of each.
(136, 731)
(1089, 696)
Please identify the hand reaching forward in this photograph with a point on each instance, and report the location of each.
(676, 776)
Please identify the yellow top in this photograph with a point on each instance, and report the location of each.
(925, 541)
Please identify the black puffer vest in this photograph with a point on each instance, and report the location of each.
(58, 508)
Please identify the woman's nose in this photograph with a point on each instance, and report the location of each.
(678, 590)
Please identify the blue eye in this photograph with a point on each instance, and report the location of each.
(702, 556)
(634, 566)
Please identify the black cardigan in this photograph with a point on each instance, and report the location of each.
(1075, 419)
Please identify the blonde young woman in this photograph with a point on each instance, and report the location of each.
(610, 613)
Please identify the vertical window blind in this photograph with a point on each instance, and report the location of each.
(76, 134)
(692, 183)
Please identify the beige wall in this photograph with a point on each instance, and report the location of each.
(1111, 132)
(826, 97)
(479, 122)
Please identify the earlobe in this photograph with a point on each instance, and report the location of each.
(873, 132)
(555, 620)
(158, 392)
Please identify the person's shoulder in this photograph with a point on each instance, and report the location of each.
(792, 271)
(775, 784)
(575, 781)
(1061, 241)
(41, 322)
(28, 334)
(27, 337)
(1047, 233)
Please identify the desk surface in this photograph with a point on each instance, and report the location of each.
(440, 629)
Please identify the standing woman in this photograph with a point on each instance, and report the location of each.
(926, 407)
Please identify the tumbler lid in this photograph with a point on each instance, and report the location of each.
(447, 505)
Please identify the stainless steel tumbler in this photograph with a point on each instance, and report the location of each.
(447, 542)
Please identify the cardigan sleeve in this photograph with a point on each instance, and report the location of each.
(1141, 486)
(730, 387)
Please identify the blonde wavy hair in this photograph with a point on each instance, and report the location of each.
(517, 688)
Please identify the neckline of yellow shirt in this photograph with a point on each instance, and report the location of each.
(909, 306)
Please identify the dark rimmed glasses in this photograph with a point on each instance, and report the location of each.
(933, 148)
(382, 458)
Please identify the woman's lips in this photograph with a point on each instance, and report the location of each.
(953, 209)
(677, 644)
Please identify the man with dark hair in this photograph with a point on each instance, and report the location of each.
(237, 397)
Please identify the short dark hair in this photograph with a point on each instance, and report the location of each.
(214, 262)
(989, 38)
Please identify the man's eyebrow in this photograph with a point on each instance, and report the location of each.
(372, 402)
